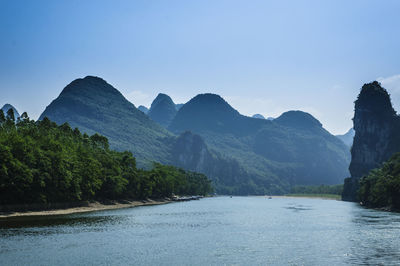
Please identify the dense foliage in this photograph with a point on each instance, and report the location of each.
(381, 187)
(44, 163)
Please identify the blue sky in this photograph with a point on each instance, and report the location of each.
(262, 56)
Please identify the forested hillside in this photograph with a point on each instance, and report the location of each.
(43, 162)
(94, 106)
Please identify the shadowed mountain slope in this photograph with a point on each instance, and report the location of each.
(294, 148)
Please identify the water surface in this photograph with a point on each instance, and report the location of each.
(212, 231)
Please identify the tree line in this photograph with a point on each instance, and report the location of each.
(42, 162)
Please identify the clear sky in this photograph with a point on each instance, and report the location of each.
(262, 56)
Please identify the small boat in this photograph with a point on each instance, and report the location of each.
(269, 197)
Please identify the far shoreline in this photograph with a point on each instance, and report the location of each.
(311, 196)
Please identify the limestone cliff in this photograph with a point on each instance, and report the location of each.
(190, 152)
(376, 137)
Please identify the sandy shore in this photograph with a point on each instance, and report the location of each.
(306, 197)
(93, 206)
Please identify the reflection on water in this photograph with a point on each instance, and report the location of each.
(298, 207)
(238, 230)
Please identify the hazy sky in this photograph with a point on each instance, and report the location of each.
(262, 56)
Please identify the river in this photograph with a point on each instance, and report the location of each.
(211, 231)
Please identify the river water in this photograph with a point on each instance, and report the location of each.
(211, 231)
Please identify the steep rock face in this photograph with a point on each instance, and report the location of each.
(162, 110)
(7, 107)
(190, 152)
(376, 137)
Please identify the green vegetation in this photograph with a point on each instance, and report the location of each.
(381, 187)
(46, 163)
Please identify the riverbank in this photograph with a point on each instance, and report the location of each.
(89, 207)
(317, 196)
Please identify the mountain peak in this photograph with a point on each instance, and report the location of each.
(206, 112)
(161, 97)
(94, 106)
(373, 98)
(162, 109)
(259, 116)
(7, 107)
(211, 103)
(90, 85)
(298, 119)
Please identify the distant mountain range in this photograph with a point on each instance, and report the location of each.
(293, 148)
(242, 155)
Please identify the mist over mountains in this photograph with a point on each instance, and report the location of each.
(242, 155)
